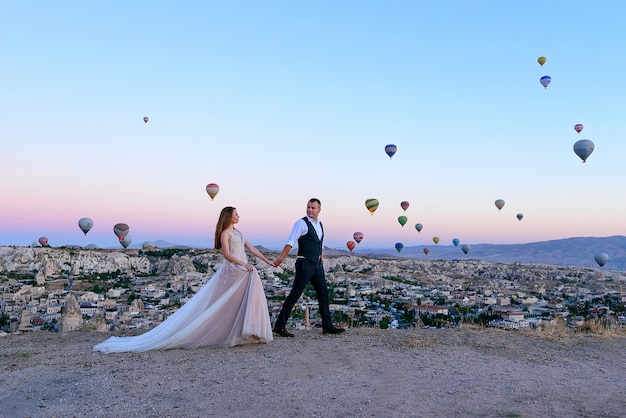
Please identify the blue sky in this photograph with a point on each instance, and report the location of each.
(281, 101)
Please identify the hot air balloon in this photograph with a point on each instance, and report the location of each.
(545, 80)
(519, 216)
(399, 246)
(466, 248)
(212, 189)
(499, 204)
(351, 245)
(542, 60)
(402, 220)
(390, 150)
(404, 205)
(358, 237)
(148, 245)
(601, 258)
(120, 230)
(145, 119)
(426, 250)
(43, 241)
(578, 127)
(436, 240)
(456, 242)
(85, 224)
(419, 227)
(371, 205)
(583, 149)
(126, 241)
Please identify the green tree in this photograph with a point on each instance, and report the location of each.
(384, 322)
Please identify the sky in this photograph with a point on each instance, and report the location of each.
(281, 101)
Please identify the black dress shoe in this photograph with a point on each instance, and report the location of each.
(333, 330)
(282, 332)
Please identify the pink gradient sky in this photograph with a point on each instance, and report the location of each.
(276, 108)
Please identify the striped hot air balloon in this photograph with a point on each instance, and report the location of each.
(121, 230)
(390, 150)
(212, 189)
(371, 205)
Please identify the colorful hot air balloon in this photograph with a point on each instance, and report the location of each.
(399, 246)
(121, 230)
(43, 241)
(545, 80)
(519, 216)
(466, 248)
(390, 150)
(456, 242)
(212, 189)
(426, 250)
(583, 149)
(148, 245)
(402, 220)
(145, 119)
(371, 205)
(358, 237)
(436, 240)
(404, 205)
(85, 224)
(601, 258)
(351, 245)
(419, 227)
(499, 203)
(542, 60)
(578, 127)
(126, 241)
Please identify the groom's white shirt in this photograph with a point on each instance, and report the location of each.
(300, 228)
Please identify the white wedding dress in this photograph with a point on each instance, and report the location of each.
(229, 310)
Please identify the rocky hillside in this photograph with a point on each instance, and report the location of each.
(564, 252)
(47, 264)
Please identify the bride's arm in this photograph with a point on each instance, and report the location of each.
(257, 253)
(225, 239)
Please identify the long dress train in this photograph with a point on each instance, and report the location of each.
(231, 309)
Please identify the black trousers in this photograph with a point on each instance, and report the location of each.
(307, 271)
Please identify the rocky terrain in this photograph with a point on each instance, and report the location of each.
(45, 264)
(80, 270)
(371, 372)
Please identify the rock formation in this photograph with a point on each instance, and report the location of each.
(72, 318)
(96, 323)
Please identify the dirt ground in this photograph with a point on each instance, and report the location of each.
(460, 372)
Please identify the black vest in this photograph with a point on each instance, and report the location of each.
(309, 245)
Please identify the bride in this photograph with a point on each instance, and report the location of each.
(229, 310)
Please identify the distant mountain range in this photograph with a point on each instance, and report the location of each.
(578, 251)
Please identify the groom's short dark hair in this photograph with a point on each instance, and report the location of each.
(315, 200)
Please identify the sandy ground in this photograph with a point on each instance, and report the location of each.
(461, 372)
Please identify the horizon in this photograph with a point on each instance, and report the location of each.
(278, 248)
(279, 103)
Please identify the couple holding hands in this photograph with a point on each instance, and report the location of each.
(231, 309)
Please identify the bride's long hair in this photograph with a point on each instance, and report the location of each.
(224, 221)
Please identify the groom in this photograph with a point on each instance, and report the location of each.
(309, 233)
